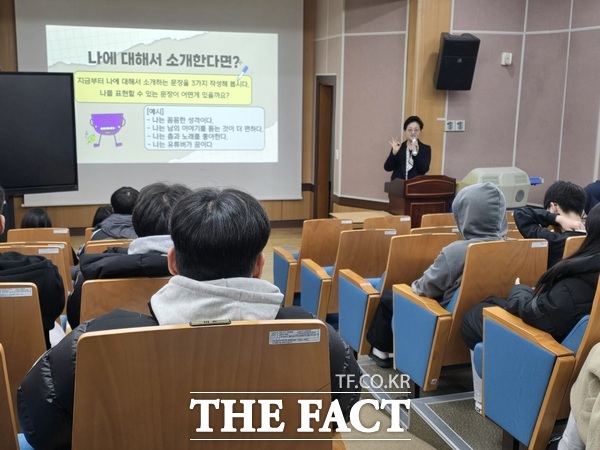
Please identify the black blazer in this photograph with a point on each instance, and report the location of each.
(397, 163)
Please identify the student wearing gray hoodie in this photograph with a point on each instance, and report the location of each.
(217, 260)
(480, 214)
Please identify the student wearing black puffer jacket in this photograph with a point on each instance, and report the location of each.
(48, 424)
(146, 255)
(217, 262)
(562, 296)
(17, 268)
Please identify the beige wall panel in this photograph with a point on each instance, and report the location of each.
(321, 56)
(61, 216)
(373, 80)
(543, 15)
(298, 209)
(369, 16)
(336, 17)
(580, 129)
(491, 15)
(72, 216)
(273, 209)
(540, 114)
(322, 7)
(586, 13)
(334, 67)
(489, 109)
(340, 208)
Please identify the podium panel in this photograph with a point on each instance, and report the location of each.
(427, 194)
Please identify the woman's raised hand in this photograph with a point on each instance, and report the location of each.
(395, 143)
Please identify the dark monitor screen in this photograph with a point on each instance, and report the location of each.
(38, 152)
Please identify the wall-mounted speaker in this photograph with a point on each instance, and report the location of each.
(456, 62)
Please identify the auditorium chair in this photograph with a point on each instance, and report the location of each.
(151, 376)
(572, 244)
(101, 246)
(21, 331)
(8, 423)
(399, 223)
(100, 297)
(436, 229)
(527, 375)
(514, 234)
(408, 258)
(319, 242)
(88, 234)
(43, 234)
(54, 251)
(438, 220)
(363, 251)
(428, 336)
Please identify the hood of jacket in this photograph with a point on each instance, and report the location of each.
(15, 263)
(480, 212)
(183, 299)
(161, 244)
(121, 265)
(592, 192)
(118, 226)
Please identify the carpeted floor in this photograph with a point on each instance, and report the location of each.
(442, 419)
(381, 439)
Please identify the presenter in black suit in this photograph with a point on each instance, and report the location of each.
(410, 158)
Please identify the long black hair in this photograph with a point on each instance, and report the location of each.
(590, 247)
(36, 218)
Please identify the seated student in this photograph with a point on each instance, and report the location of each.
(101, 213)
(36, 218)
(561, 297)
(592, 195)
(15, 267)
(39, 218)
(146, 255)
(118, 225)
(480, 214)
(217, 260)
(584, 420)
(563, 208)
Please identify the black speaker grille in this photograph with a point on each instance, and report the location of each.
(456, 62)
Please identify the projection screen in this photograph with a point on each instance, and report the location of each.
(198, 93)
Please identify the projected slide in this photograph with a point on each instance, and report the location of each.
(162, 96)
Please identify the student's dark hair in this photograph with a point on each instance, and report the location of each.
(36, 218)
(2, 199)
(218, 233)
(123, 200)
(101, 213)
(589, 247)
(412, 119)
(154, 207)
(567, 195)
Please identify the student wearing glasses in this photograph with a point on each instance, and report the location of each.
(410, 158)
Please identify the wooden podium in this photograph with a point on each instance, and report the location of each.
(427, 194)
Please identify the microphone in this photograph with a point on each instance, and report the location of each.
(414, 151)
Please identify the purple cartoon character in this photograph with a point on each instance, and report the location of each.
(107, 125)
